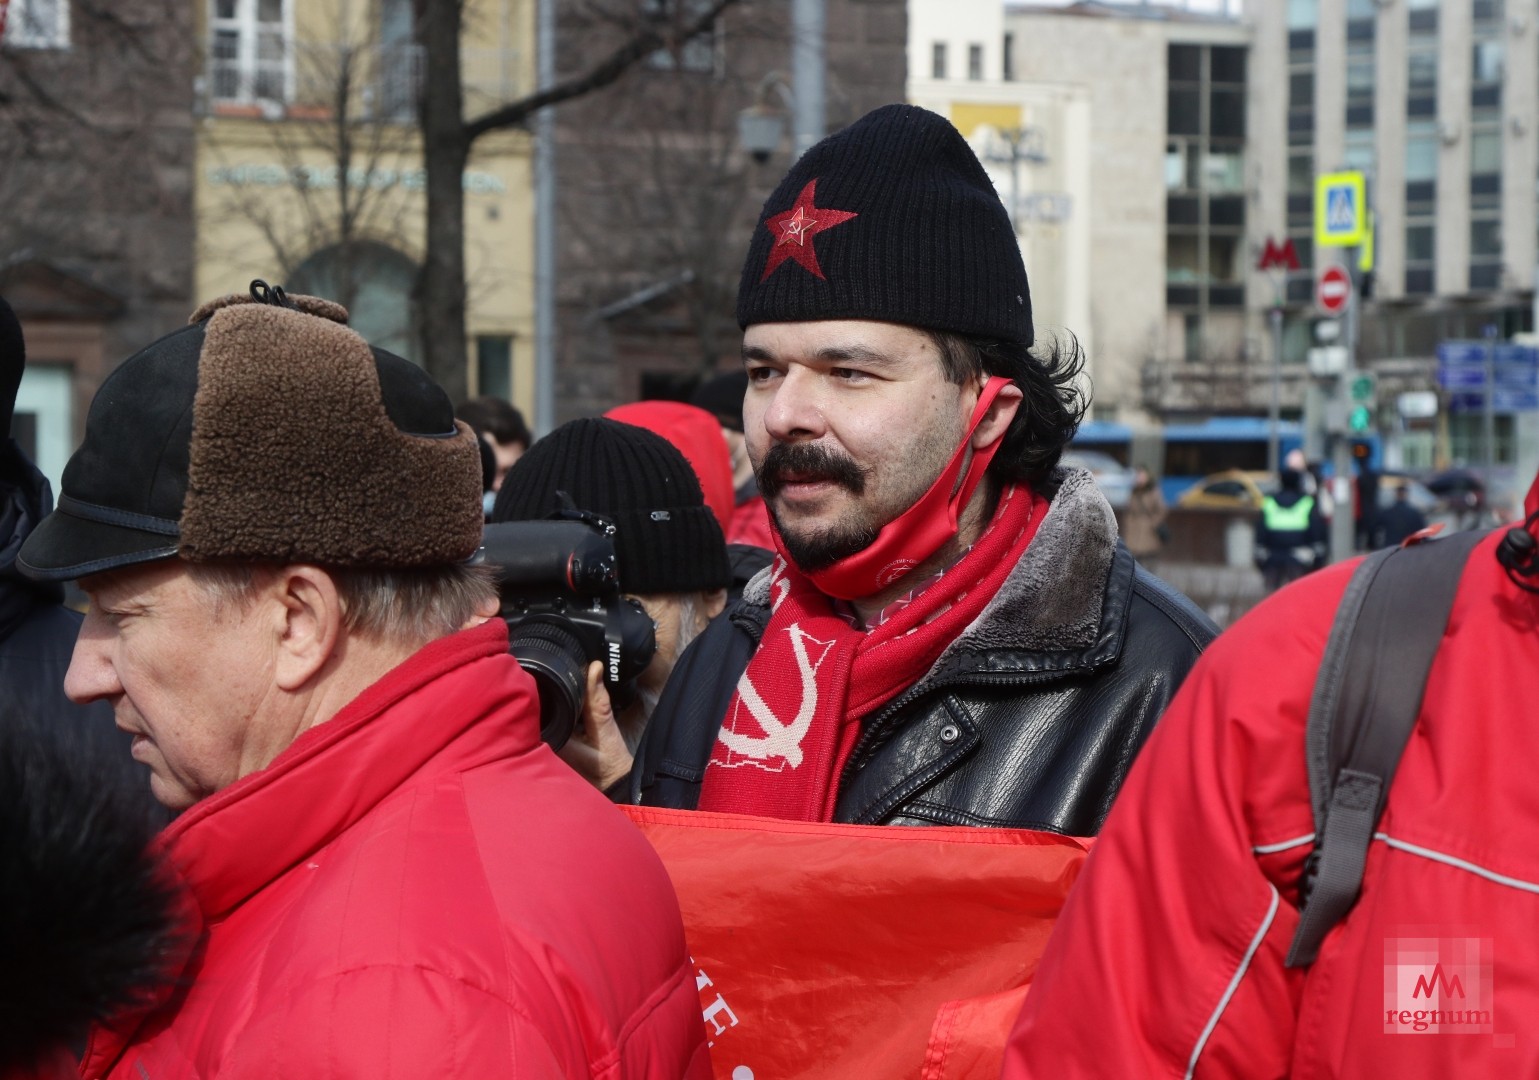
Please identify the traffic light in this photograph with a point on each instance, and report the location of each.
(1363, 388)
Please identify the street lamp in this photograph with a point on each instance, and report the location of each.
(761, 126)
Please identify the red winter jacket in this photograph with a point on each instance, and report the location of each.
(1168, 960)
(420, 888)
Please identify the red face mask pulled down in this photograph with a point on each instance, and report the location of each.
(919, 531)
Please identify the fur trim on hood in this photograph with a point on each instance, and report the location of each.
(1053, 600)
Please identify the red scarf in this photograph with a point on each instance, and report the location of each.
(795, 717)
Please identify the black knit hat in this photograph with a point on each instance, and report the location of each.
(722, 397)
(891, 219)
(666, 539)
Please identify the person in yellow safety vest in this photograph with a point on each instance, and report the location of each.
(1290, 534)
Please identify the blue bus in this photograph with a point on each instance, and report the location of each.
(1187, 452)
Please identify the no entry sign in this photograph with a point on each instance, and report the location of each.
(1333, 290)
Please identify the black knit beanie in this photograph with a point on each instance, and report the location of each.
(666, 538)
(891, 219)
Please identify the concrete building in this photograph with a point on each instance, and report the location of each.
(96, 216)
(309, 169)
(1438, 104)
(1035, 138)
(1173, 143)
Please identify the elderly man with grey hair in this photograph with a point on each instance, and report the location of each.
(274, 524)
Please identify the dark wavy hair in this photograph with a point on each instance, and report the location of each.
(1054, 404)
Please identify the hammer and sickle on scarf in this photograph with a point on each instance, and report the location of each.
(780, 740)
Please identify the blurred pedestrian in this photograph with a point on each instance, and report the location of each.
(1399, 520)
(952, 633)
(1143, 521)
(502, 427)
(37, 631)
(1290, 533)
(722, 396)
(668, 544)
(274, 524)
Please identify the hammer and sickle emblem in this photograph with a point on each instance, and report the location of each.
(780, 739)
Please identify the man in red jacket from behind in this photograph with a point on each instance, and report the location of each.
(383, 871)
(1170, 957)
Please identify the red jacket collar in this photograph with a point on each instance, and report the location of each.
(426, 715)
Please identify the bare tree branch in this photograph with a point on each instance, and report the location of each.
(643, 44)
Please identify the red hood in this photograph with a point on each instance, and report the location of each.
(697, 435)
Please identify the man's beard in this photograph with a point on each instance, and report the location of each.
(810, 461)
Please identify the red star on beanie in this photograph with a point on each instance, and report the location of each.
(794, 229)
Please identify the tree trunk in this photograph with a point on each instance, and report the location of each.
(446, 149)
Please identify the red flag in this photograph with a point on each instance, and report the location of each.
(856, 950)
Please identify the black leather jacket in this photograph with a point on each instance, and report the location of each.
(1030, 719)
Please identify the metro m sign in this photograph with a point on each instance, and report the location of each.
(1282, 256)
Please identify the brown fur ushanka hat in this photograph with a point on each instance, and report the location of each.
(269, 431)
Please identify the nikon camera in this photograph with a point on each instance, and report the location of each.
(560, 589)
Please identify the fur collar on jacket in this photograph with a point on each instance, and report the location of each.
(1053, 600)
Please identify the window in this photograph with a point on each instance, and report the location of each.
(37, 24)
(1301, 88)
(1303, 14)
(975, 62)
(1191, 334)
(398, 74)
(1204, 176)
(374, 283)
(1185, 63)
(1007, 57)
(1358, 150)
(1486, 75)
(700, 53)
(1228, 65)
(1419, 244)
(494, 365)
(1485, 151)
(1223, 171)
(1420, 155)
(1420, 257)
(1485, 238)
(1360, 72)
(938, 60)
(1301, 175)
(251, 51)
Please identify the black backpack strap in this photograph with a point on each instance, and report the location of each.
(1366, 699)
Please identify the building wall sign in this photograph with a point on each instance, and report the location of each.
(323, 177)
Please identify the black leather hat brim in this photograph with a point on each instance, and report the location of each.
(64, 547)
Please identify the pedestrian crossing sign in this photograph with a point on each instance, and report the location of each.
(1341, 216)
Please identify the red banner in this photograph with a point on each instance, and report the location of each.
(837, 951)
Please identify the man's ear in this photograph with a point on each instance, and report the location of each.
(996, 421)
(311, 623)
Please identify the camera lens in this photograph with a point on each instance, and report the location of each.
(554, 656)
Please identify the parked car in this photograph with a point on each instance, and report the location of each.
(1113, 478)
(1232, 489)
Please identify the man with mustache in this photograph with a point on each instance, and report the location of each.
(952, 633)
